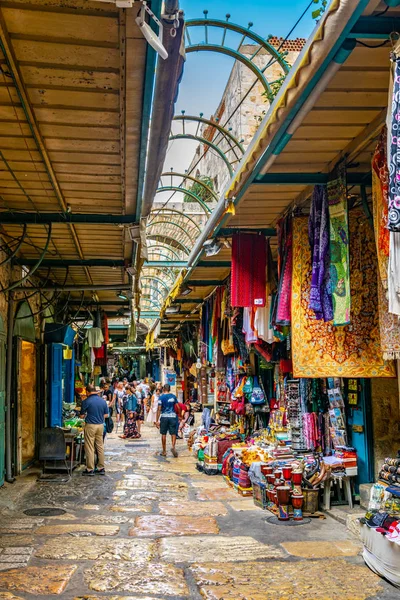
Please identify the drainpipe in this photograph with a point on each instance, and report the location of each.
(10, 327)
(169, 73)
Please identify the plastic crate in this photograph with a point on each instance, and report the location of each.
(260, 494)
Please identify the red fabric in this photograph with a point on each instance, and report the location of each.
(248, 278)
(286, 365)
(100, 352)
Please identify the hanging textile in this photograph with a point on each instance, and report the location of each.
(249, 333)
(394, 274)
(318, 234)
(320, 350)
(248, 279)
(262, 322)
(339, 248)
(94, 336)
(283, 301)
(393, 144)
(380, 188)
(86, 362)
(389, 326)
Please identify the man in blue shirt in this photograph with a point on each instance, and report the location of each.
(167, 419)
(95, 410)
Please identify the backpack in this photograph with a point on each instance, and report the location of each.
(109, 425)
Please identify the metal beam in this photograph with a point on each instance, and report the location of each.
(165, 263)
(214, 263)
(377, 28)
(69, 262)
(228, 231)
(121, 303)
(75, 288)
(203, 282)
(310, 179)
(44, 218)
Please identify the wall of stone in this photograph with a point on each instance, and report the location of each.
(246, 119)
(386, 419)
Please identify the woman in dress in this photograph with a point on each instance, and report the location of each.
(152, 414)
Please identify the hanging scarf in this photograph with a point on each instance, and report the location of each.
(283, 307)
(248, 277)
(339, 246)
(380, 189)
(318, 234)
(394, 155)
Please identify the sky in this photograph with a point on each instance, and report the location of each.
(206, 74)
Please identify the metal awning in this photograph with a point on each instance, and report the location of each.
(332, 107)
(76, 86)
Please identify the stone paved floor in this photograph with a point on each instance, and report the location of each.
(155, 528)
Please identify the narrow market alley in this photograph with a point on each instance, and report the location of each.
(156, 528)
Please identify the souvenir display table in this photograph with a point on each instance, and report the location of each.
(380, 528)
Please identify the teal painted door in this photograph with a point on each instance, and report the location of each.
(2, 404)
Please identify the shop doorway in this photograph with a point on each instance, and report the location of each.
(359, 417)
(27, 404)
(2, 399)
(25, 414)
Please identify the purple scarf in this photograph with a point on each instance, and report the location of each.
(318, 235)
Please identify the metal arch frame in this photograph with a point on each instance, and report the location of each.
(201, 140)
(182, 247)
(159, 254)
(246, 33)
(191, 178)
(165, 247)
(196, 198)
(16, 249)
(177, 241)
(155, 278)
(225, 132)
(164, 271)
(150, 287)
(151, 303)
(167, 211)
(34, 268)
(175, 225)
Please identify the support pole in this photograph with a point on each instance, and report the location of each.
(10, 327)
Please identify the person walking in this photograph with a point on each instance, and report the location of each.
(167, 419)
(152, 414)
(118, 401)
(95, 411)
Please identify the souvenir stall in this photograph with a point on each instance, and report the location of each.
(295, 343)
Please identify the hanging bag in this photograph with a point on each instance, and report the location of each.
(248, 386)
(257, 395)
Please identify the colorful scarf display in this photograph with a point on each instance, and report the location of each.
(380, 202)
(394, 154)
(318, 234)
(339, 248)
(283, 306)
(320, 349)
(249, 261)
(389, 326)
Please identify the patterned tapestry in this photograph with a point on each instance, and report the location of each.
(321, 349)
(339, 248)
